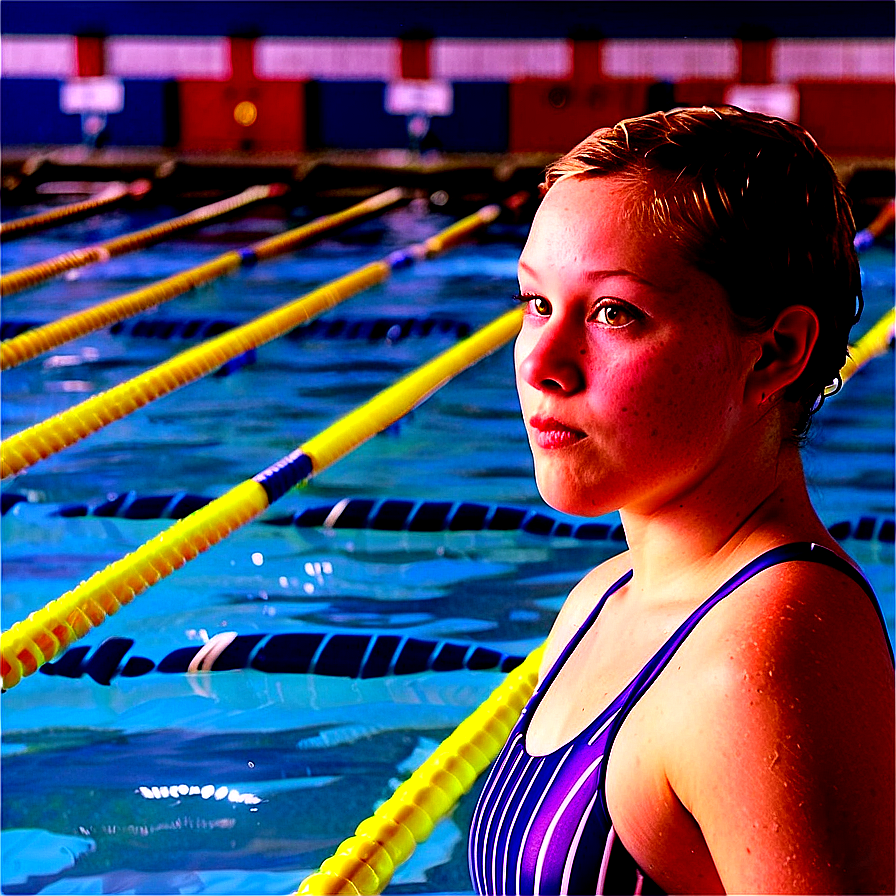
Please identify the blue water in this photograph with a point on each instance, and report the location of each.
(243, 782)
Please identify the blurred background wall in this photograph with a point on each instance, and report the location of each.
(521, 77)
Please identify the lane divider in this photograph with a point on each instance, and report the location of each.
(365, 862)
(404, 515)
(16, 281)
(33, 342)
(48, 631)
(372, 329)
(876, 342)
(38, 442)
(105, 199)
(345, 655)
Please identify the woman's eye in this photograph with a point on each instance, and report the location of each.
(613, 316)
(538, 305)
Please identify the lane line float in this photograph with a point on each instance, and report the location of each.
(38, 442)
(406, 515)
(48, 631)
(16, 281)
(341, 654)
(105, 199)
(33, 342)
(876, 342)
(366, 861)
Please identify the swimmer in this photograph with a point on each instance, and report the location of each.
(715, 706)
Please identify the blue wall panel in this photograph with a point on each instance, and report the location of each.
(479, 122)
(29, 113)
(351, 115)
(149, 117)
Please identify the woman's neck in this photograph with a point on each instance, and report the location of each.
(738, 509)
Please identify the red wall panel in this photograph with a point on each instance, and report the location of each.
(415, 57)
(700, 93)
(850, 119)
(90, 53)
(552, 116)
(207, 116)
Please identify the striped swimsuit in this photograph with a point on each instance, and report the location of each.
(542, 824)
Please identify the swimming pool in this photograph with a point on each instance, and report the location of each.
(243, 781)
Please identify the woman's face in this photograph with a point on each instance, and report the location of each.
(630, 374)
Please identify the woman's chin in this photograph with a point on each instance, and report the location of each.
(570, 498)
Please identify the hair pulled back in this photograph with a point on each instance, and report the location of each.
(753, 202)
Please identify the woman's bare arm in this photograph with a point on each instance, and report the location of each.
(787, 759)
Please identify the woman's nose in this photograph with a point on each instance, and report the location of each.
(549, 360)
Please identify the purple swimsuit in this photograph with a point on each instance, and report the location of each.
(542, 825)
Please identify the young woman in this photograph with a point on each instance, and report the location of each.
(716, 705)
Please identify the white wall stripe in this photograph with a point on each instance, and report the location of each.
(506, 59)
(673, 60)
(182, 58)
(37, 56)
(337, 59)
(571, 794)
(833, 59)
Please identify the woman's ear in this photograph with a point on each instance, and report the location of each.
(784, 352)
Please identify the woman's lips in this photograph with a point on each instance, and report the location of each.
(551, 433)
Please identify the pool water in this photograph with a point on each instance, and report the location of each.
(244, 781)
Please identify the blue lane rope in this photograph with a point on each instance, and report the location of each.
(396, 514)
(345, 655)
(379, 329)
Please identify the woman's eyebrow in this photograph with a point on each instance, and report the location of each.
(620, 272)
(597, 275)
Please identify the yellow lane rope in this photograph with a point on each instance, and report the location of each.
(34, 342)
(106, 198)
(24, 278)
(364, 863)
(873, 344)
(38, 442)
(50, 630)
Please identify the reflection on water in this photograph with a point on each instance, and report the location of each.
(116, 789)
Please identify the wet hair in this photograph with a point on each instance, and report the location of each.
(753, 202)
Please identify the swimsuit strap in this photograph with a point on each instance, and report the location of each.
(805, 551)
(573, 642)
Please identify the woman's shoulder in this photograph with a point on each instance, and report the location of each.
(794, 629)
(789, 716)
(802, 612)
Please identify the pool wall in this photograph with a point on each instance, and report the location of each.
(274, 77)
